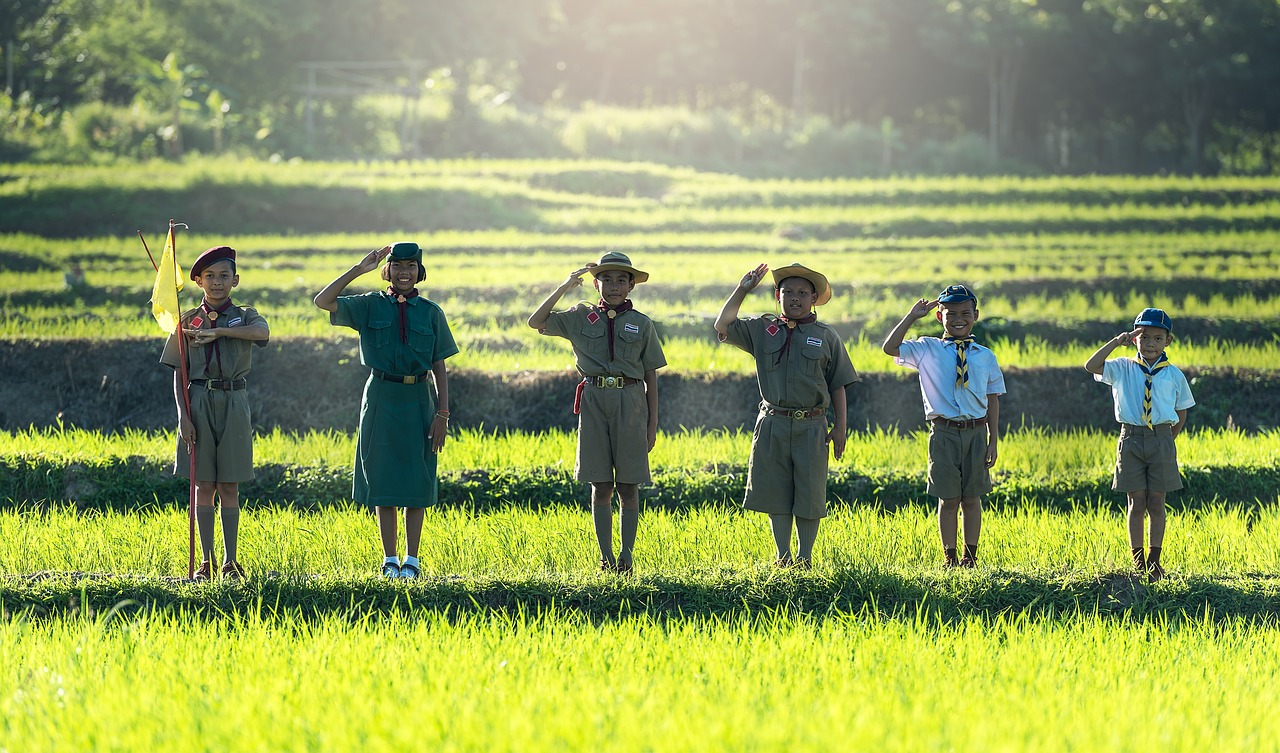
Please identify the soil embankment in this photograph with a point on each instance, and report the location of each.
(304, 384)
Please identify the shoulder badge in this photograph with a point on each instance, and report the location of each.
(196, 322)
(772, 329)
(592, 316)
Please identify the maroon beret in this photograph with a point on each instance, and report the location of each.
(213, 256)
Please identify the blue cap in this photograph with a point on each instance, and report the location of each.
(957, 294)
(1154, 318)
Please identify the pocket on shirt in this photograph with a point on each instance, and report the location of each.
(629, 345)
(380, 332)
(422, 338)
(772, 346)
(811, 360)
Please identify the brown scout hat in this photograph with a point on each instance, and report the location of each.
(616, 261)
(795, 269)
(211, 257)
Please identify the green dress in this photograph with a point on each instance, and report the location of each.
(394, 464)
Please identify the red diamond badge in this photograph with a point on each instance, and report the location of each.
(196, 322)
(772, 329)
(593, 317)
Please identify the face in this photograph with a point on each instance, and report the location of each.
(957, 318)
(797, 297)
(217, 280)
(614, 286)
(403, 274)
(1151, 342)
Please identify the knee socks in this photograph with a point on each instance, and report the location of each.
(230, 532)
(204, 522)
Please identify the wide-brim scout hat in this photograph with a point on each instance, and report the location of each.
(211, 257)
(957, 294)
(405, 251)
(615, 261)
(1154, 318)
(820, 285)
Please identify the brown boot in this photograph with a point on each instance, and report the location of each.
(232, 571)
(203, 573)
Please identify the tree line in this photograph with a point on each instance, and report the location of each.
(1063, 85)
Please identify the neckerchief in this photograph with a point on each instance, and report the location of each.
(962, 357)
(610, 314)
(212, 315)
(791, 325)
(400, 299)
(1149, 372)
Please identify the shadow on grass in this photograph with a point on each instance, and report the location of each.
(752, 594)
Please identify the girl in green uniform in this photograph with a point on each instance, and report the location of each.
(404, 338)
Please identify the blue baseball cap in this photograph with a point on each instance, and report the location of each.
(957, 294)
(1154, 318)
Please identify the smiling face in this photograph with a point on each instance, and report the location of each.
(402, 274)
(614, 286)
(1151, 342)
(796, 297)
(217, 280)
(957, 318)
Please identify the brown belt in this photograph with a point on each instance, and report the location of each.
(397, 378)
(971, 423)
(222, 384)
(798, 414)
(610, 382)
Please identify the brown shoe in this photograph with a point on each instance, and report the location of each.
(784, 562)
(607, 566)
(232, 571)
(203, 573)
(950, 562)
(1154, 572)
(968, 562)
(803, 564)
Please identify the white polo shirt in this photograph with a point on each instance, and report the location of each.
(1169, 391)
(935, 359)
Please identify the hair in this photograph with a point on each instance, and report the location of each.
(386, 269)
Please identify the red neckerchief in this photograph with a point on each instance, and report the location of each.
(791, 325)
(400, 299)
(609, 314)
(212, 316)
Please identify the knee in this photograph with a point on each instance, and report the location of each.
(1155, 504)
(971, 505)
(949, 505)
(228, 494)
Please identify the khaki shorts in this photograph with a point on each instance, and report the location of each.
(788, 471)
(958, 462)
(224, 437)
(1146, 460)
(613, 436)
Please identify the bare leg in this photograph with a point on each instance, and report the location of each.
(387, 529)
(1156, 511)
(807, 533)
(413, 529)
(1137, 512)
(629, 511)
(602, 517)
(781, 525)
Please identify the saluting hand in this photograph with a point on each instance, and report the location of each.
(373, 260)
(921, 308)
(751, 279)
(1127, 338)
(575, 278)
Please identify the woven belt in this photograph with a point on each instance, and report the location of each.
(221, 384)
(610, 382)
(399, 379)
(971, 423)
(798, 414)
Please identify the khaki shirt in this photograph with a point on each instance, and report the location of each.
(636, 347)
(814, 364)
(234, 357)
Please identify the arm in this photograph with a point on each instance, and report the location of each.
(839, 433)
(440, 424)
(257, 332)
(729, 312)
(918, 311)
(538, 319)
(1099, 358)
(651, 397)
(327, 299)
(186, 429)
(1182, 423)
(993, 429)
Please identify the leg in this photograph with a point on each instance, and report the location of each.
(413, 517)
(229, 501)
(781, 526)
(948, 524)
(205, 512)
(1136, 515)
(602, 517)
(971, 509)
(629, 511)
(387, 529)
(1156, 511)
(807, 533)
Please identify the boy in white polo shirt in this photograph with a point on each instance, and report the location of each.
(1151, 397)
(961, 384)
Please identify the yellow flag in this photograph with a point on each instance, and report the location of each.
(164, 295)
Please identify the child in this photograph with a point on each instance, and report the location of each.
(403, 338)
(803, 369)
(1151, 401)
(220, 337)
(961, 384)
(617, 352)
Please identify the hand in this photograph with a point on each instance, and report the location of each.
(575, 278)
(751, 279)
(204, 336)
(990, 459)
(921, 308)
(837, 438)
(653, 437)
(372, 260)
(439, 428)
(1127, 338)
(186, 431)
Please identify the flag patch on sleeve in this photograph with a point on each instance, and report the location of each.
(592, 317)
(772, 329)
(813, 341)
(235, 322)
(630, 328)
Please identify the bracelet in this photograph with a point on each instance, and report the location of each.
(442, 414)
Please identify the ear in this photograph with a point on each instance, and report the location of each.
(235, 280)
(386, 272)
(777, 295)
(975, 314)
(938, 314)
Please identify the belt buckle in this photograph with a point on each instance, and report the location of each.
(612, 381)
(411, 379)
(799, 414)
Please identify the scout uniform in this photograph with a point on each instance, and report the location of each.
(955, 379)
(797, 366)
(218, 387)
(1146, 403)
(399, 341)
(612, 350)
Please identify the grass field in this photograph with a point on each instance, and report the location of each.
(513, 640)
